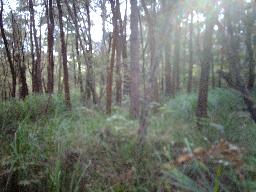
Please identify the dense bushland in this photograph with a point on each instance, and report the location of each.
(85, 150)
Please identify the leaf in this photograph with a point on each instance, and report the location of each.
(184, 158)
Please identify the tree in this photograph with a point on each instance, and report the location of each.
(201, 111)
(119, 49)
(190, 69)
(78, 42)
(234, 77)
(8, 53)
(126, 79)
(249, 22)
(90, 82)
(168, 67)
(134, 66)
(18, 55)
(152, 88)
(176, 59)
(64, 56)
(110, 67)
(50, 24)
(36, 63)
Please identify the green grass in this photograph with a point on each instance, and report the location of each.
(85, 150)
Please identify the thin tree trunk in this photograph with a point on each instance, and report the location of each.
(201, 111)
(32, 55)
(90, 80)
(8, 53)
(110, 76)
(143, 56)
(221, 69)
(50, 69)
(168, 68)
(134, 72)
(78, 56)
(118, 54)
(60, 82)
(74, 65)
(234, 78)
(37, 85)
(104, 18)
(176, 60)
(152, 89)
(126, 79)
(190, 69)
(64, 57)
(19, 57)
(212, 72)
(198, 49)
(112, 61)
(250, 56)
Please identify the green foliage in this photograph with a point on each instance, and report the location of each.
(33, 108)
(84, 150)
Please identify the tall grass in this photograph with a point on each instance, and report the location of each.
(84, 150)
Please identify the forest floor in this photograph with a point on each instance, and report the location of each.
(84, 150)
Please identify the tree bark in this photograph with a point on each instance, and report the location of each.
(152, 88)
(36, 66)
(77, 40)
(176, 60)
(126, 79)
(90, 80)
(190, 69)
(234, 78)
(119, 26)
(168, 69)
(201, 111)
(110, 68)
(64, 57)
(50, 38)
(8, 53)
(110, 76)
(250, 55)
(135, 70)
(19, 57)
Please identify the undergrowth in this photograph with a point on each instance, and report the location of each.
(47, 148)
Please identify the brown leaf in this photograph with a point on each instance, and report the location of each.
(184, 158)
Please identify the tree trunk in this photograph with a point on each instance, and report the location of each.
(78, 56)
(250, 56)
(50, 69)
(36, 71)
(90, 80)
(74, 65)
(126, 79)
(234, 78)
(8, 53)
(168, 68)
(152, 88)
(135, 70)
(112, 59)
(212, 72)
(201, 111)
(110, 76)
(19, 57)
(143, 55)
(221, 69)
(190, 69)
(64, 57)
(104, 18)
(119, 26)
(176, 60)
